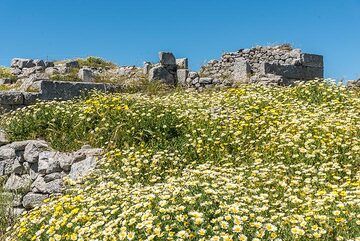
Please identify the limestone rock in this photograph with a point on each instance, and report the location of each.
(182, 63)
(54, 186)
(32, 200)
(167, 59)
(32, 150)
(82, 168)
(182, 75)
(22, 63)
(7, 152)
(242, 71)
(3, 138)
(86, 75)
(48, 163)
(160, 73)
(16, 183)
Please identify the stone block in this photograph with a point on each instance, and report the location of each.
(30, 98)
(86, 75)
(82, 168)
(32, 200)
(182, 75)
(242, 71)
(312, 60)
(67, 90)
(182, 63)
(11, 98)
(167, 59)
(160, 73)
(292, 71)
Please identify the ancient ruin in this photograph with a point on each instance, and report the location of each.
(46, 80)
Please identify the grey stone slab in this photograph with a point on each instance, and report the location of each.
(66, 90)
(312, 60)
(11, 98)
(182, 75)
(242, 71)
(292, 71)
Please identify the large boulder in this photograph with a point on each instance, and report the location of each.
(182, 63)
(160, 73)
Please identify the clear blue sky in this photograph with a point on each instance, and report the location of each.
(129, 32)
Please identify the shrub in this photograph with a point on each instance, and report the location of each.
(96, 62)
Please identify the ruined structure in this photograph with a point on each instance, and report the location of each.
(33, 171)
(278, 65)
(46, 80)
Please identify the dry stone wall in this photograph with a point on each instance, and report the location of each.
(280, 65)
(33, 171)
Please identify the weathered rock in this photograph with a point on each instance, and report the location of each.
(182, 63)
(3, 138)
(22, 63)
(19, 145)
(48, 163)
(182, 75)
(17, 183)
(32, 150)
(40, 186)
(82, 168)
(11, 98)
(18, 211)
(5, 81)
(86, 75)
(147, 67)
(242, 71)
(167, 59)
(160, 73)
(67, 90)
(6, 152)
(205, 80)
(54, 176)
(31, 169)
(39, 62)
(292, 71)
(32, 200)
(312, 60)
(17, 167)
(6, 166)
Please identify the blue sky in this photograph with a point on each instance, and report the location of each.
(129, 32)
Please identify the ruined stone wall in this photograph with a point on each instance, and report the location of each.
(223, 69)
(278, 65)
(33, 171)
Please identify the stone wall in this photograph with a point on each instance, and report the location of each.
(281, 65)
(50, 90)
(34, 171)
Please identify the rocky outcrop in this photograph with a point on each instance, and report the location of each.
(34, 171)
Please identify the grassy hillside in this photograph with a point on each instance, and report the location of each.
(253, 163)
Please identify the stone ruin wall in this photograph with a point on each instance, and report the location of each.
(281, 65)
(223, 69)
(34, 172)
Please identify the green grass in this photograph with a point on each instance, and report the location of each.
(96, 62)
(6, 74)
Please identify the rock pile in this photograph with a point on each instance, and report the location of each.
(34, 171)
(164, 71)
